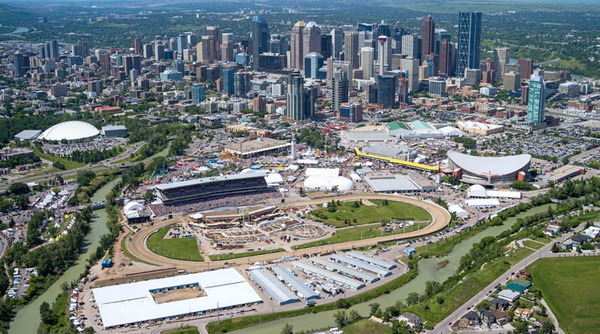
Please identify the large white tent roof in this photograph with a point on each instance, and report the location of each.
(71, 130)
(489, 165)
(328, 183)
(133, 302)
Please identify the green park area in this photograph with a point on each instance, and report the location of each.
(570, 287)
(182, 330)
(366, 327)
(178, 249)
(221, 257)
(342, 214)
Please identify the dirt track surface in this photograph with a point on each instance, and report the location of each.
(440, 219)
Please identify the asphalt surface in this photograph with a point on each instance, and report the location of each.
(444, 328)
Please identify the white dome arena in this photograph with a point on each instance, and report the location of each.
(328, 183)
(72, 130)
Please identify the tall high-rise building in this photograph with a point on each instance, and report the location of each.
(312, 64)
(131, 62)
(427, 36)
(159, 51)
(216, 37)
(227, 47)
(206, 50)
(367, 55)
(105, 62)
(148, 50)
(511, 81)
(536, 99)
(241, 83)
(300, 101)
(410, 66)
(337, 42)
(526, 67)
(386, 90)
(411, 46)
(384, 53)
(311, 39)
(326, 46)
(469, 41)
(51, 50)
(198, 93)
(440, 34)
(19, 64)
(182, 44)
(227, 74)
(351, 49)
(340, 89)
(296, 40)
(472, 76)
(446, 58)
(260, 39)
(137, 46)
(501, 58)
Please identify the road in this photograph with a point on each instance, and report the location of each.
(444, 328)
(103, 165)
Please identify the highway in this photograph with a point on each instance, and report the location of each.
(444, 326)
(103, 165)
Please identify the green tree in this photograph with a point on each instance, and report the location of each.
(46, 314)
(287, 329)
(18, 188)
(521, 185)
(353, 316)
(374, 308)
(412, 298)
(59, 165)
(341, 318)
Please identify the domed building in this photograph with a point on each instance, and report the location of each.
(70, 131)
(488, 171)
(328, 183)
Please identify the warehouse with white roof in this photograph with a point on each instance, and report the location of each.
(135, 302)
(296, 284)
(274, 288)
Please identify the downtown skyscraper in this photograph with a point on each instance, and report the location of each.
(427, 37)
(260, 39)
(536, 101)
(469, 41)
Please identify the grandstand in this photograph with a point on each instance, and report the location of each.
(211, 192)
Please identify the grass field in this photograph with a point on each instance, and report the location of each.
(570, 287)
(434, 312)
(69, 164)
(245, 254)
(366, 327)
(182, 330)
(533, 244)
(358, 232)
(365, 214)
(178, 249)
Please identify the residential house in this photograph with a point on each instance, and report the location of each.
(501, 317)
(473, 318)
(523, 313)
(509, 295)
(592, 232)
(524, 274)
(486, 317)
(580, 239)
(412, 320)
(500, 304)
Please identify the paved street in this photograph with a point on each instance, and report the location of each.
(444, 328)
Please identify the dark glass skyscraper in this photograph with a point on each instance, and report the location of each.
(469, 41)
(428, 37)
(386, 90)
(260, 38)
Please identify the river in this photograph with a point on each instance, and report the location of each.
(427, 272)
(27, 319)
(18, 30)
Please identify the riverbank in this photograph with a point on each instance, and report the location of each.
(27, 319)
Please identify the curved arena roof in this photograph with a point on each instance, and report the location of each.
(489, 165)
(72, 130)
(328, 183)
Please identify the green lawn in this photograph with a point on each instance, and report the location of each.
(69, 164)
(178, 249)
(358, 232)
(366, 327)
(570, 287)
(182, 330)
(369, 214)
(432, 311)
(533, 244)
(244, 254)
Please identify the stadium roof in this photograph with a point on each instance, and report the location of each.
(133, 302)
(392, 183)
(205, 180)
(72, 130)
(489, 165)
